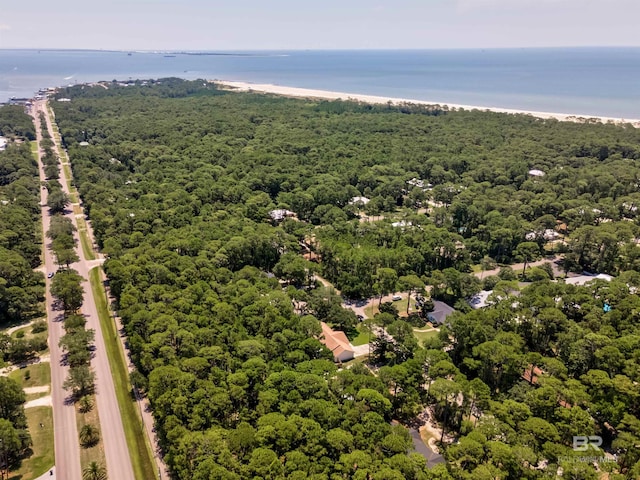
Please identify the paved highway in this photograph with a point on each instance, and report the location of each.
(67, 445)
(112, 431)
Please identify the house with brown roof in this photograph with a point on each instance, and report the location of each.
(337, 342)
(531, 374)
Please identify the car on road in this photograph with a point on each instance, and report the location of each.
(395, 298)
(50, 274)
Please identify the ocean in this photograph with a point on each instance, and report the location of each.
(581, 81)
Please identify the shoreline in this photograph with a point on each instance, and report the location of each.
(330, 95)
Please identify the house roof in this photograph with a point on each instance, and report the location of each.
(479, 300)
(532, 376)
(402, 223)
(281, 213)
(440, 312)
(582, 279)
(547, 234)
(335, 340)
(362, 200)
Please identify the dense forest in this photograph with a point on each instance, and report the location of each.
(180, 180)
(15, 123)
(21, 288)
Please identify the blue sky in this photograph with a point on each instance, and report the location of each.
(330, 24)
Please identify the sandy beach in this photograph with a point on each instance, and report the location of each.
(328, 95)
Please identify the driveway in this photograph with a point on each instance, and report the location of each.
(433, 458)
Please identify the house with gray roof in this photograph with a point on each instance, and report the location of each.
(440, 313)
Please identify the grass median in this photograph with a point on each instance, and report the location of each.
(94, 453)
(139, 448)
(87, 248)
(67, 173)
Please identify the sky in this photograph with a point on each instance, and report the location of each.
(304, 24)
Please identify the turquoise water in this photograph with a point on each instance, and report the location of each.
(584, 81)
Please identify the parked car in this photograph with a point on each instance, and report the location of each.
(50, 275)
(395, 298)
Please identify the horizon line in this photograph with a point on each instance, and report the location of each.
(345, 49)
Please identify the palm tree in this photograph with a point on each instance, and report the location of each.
(86, 405)
(94, 471)
(89, 435)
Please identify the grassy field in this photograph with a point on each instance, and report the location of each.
(40, 374)
(371, 309)
(42, 458)
(27, 331)
(422, 336)
(363, 336)
(355, 361)
(401, 305)
(139, 448)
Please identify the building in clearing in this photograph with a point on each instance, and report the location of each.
(440, 313)
(3, 143)
(280, 214)
(479, 300)
(359, 201)
(402, 224)
(337, 342)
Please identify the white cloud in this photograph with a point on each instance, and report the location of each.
(4, 27)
